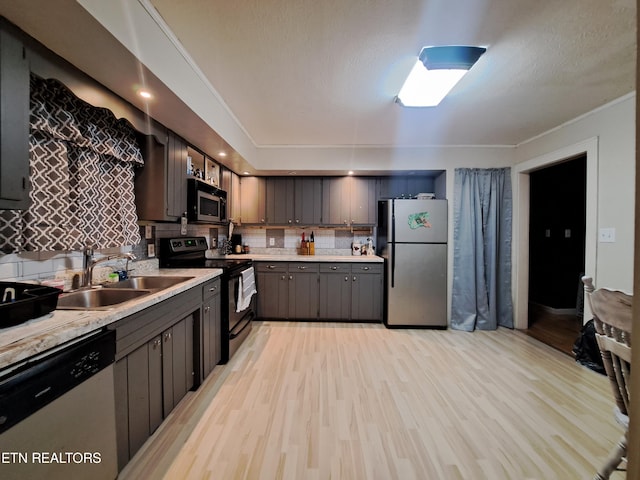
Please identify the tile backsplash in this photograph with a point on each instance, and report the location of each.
(287, 241)
(38, 266)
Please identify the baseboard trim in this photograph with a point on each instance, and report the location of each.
(555, 311)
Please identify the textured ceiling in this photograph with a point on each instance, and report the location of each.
(325, 73)
(305, 73)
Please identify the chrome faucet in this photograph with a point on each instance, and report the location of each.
(88, 263)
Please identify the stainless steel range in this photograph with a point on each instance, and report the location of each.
(238, 303)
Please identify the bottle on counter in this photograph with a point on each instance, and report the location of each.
(312, 245)
(303, 245)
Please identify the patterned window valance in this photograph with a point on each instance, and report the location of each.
(82, 163)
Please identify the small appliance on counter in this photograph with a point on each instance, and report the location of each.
(236, 243)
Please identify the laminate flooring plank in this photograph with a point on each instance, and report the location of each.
(358, 401)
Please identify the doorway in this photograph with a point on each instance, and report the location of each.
(557, 226)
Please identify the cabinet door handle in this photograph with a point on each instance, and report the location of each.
(346, 278)
(167, 336)
(289, 221)
(365, 268)
(290, 277)
(334, 268)
(300, 267)
(206, 309)
(354, 278)
(297, 220)
(283, 277)
(271, 267)
(213, 289)
(156, 343)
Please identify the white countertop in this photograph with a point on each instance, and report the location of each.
(35, 336)
(308, 258)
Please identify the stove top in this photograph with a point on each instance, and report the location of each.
(189, 252)
(224, 263)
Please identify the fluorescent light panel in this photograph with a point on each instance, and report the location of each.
(427, 88)
(435, 73)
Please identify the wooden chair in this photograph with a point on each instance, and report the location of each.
(611, 311)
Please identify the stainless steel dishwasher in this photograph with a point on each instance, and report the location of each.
(57, 413)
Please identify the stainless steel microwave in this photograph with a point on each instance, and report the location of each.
(205, 203)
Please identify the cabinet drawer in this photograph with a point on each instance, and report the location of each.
(335, 267)
(136, 329)
(266, 267)
(367, 268)
(303, 267)
(211, 289)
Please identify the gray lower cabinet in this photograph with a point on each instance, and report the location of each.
(327, 291)
(211, 333)
(155, 367)
(367, 288)
(287, 290)
(351, 291)
(272, 281)
(335, 291)
(303, 291)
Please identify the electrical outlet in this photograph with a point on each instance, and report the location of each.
(272, 241)
(567, 233)
(148, 232)
(607, 235)
(547, 233)
(151, 250)
(183, 225)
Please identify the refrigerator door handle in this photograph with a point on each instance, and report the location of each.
(393, 244)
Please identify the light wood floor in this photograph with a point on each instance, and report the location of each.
(319, 401)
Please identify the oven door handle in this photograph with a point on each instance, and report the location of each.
(245, 322)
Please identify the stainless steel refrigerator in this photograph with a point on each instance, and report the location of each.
(412, 236)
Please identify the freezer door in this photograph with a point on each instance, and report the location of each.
(421, 221)
(418, 296)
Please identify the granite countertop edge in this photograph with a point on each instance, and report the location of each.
(20, 342)
(307, 258)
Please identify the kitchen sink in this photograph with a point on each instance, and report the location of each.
(99, 298)
(149, 283)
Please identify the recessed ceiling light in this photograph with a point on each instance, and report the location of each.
(145, 94)
(222, 154)
(293, 173)
(350, 172)
(246, 173)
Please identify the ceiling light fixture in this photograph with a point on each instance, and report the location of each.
(222, 154)
(145, 94)
(435, 73)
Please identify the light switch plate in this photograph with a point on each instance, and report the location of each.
(607, 235)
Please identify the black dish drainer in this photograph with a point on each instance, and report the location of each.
(23, 301)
